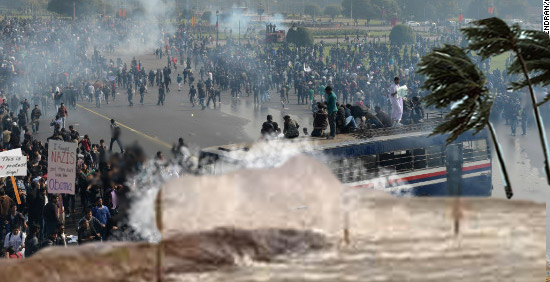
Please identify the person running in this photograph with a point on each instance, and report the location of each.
(115, 136)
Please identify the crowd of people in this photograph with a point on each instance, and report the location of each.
(46, 68)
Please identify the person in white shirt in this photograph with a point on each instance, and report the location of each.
(15, 239)
(396, 103)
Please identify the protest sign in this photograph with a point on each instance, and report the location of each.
(61, 167)
(13, 163)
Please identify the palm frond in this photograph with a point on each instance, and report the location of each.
(534, 46)
(453, 79)
(491, 36)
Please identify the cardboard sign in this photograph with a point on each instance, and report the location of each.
(61, 167)
(13, 163)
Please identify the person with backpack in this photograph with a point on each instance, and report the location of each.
(291, 128)
(115, 136)
(270, 127)
(15, 239)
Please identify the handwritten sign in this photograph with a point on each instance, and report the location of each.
(13, 163)
(61, 167)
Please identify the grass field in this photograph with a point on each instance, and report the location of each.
(499, 62)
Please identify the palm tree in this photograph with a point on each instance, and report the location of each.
(492, 36)
(455, 81)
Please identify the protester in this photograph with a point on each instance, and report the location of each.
(290, 128)
(15, 239)
(270, 127)
(115, 136)
(320, 123)
(396, 103)
(383, 117)
(332, 109)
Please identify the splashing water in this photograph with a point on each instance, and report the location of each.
(146, 185)
(389, 239)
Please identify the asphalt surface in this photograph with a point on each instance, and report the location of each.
(157, 128)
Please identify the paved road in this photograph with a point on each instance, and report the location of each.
(156, 128)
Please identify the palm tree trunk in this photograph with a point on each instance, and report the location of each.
(507, 185)
(160, 245)
(540, 126)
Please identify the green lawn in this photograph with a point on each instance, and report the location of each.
(499, 62)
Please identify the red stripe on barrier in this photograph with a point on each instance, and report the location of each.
(427, 175)
(468, 168)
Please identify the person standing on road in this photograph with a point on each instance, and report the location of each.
(202, 94)
(35, 118)
(524, 120)
(63, 114)
(130, 96)
(115, 136)
(98, 98)
(141, 93)
(192, 94)
(514, 115)
(331, 110)
(162, 94)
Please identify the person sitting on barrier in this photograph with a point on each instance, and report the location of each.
(269, 127)
(291, 128)
(320, 121)
(372, 120)
(417, 113)
(383, 117)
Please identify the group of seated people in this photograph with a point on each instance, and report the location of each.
(348, 119)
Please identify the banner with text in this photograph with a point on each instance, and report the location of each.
(13, 163)
(61, 167)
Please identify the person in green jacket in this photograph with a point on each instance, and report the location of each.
(331, 109)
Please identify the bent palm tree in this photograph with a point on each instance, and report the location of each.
(492, 36)
(455, 81)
